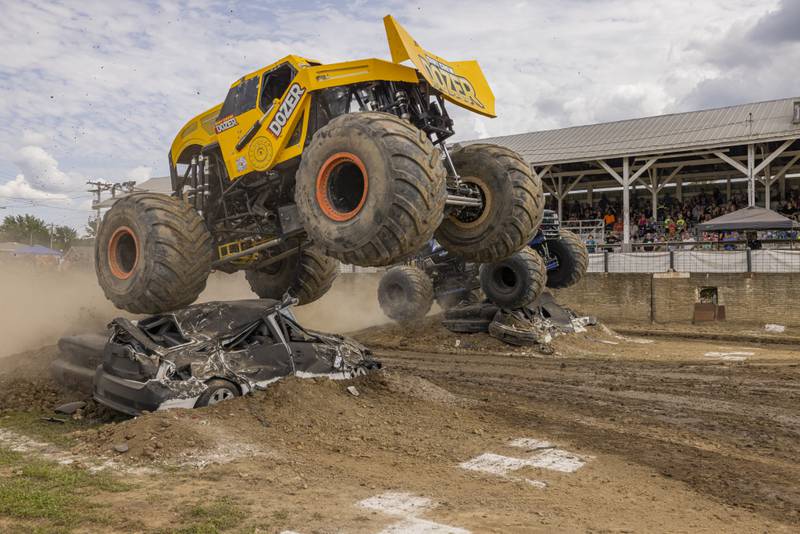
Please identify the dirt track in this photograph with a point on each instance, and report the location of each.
(662, 436)
(729, 431)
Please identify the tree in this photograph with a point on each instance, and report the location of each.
(25, 229)
(63, 237)
(32, 230)
(91, 227)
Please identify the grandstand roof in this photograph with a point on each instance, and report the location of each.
(712, 128)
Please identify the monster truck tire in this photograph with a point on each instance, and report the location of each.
(370, 188)
(573, 260)
(451, 300)
(405, 293)
(467, 326)
(513, 205)
(485, 311)
(514, 282)
(307, 276)
(153, 253)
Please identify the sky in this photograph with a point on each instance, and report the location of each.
(98, 90)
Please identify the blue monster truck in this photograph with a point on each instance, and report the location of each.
(555, 258)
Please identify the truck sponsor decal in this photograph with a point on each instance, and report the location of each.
(225, 123)
(286, 109)
(447, 81)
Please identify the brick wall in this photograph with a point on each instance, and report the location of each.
(610, 296)
(756, 298)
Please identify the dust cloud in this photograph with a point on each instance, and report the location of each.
(351, 304)
(39, 306)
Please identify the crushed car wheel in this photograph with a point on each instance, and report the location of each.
(516, 281)
(370, 188)
(572, 257)
(307, 275)
(405, 293)
(218, 390)
(513, 205)
(514, 330)
(467, 326)
(485, 310)
(153, 253)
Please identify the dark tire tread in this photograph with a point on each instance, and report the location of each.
(418, 293)
(517, 225)
(418, 182)
(310, 275)
(177, 254)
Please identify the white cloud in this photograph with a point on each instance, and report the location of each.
(41, 171)
(139, 174)
(20, 189)
(101, 88)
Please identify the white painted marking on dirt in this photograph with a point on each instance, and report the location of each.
(415, 525)
(497, 464)
(531, 444)
(21, 443)
(558, 460)
(397, 503)
(539, 484)
(776, 328)
(615, 335)
(735, 356)
(544, 455)
(494, 464)
(407, 506)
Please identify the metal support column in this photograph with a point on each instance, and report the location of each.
(767, 186)
(626, 204)
(751, 175)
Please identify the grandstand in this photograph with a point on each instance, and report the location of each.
(652, 179)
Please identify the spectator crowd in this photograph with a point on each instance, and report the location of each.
(675, 219)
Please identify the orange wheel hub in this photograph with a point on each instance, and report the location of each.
(342, 185)
(123, 252)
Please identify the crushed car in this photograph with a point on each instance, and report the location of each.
(203, 354)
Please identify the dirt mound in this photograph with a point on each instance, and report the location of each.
(428, 335)
(26, 383)
(292, 414)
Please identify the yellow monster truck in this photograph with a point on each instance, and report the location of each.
(305, 164)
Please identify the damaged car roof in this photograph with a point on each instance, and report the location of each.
(214, 318)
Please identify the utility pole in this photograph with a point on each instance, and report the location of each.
(52, 226)
(98, 189)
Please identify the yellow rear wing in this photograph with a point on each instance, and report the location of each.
(460, 82)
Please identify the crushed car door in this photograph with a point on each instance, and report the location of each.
(258, 353)
(306, 349)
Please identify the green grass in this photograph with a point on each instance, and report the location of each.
(49, 497)
(209, 517)
(31, 424)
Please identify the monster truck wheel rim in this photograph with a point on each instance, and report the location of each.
(342, 185)
(505, 279)
(123, 252)
(222, 394)
(472, 217)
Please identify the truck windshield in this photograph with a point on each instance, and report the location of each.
(240, 98)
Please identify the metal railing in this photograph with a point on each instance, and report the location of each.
(587, 227)
(774, 256)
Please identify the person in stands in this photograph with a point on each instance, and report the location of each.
(609, 219)
(591, 244)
